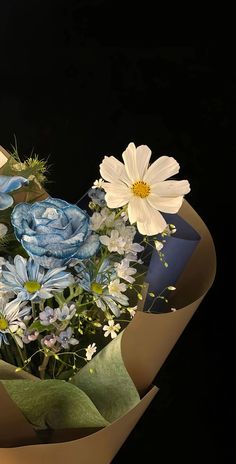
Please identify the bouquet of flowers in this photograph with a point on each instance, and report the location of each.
(89, 304)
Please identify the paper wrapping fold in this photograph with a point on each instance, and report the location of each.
(99, 447)
(148, 340)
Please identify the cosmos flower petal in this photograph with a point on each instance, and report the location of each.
(151, 227)
(163, 168)
(133, 209)
(117, 195)
(143, 154)
(113, 170)
(171, 188)
(165, 204)
(130, 160)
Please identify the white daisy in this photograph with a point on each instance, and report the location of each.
(90, 350)
(111, 329)
(144, 188)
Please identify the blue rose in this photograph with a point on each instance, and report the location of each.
(53, 232)
(8, 184)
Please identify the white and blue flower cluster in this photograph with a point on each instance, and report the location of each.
(53, 232)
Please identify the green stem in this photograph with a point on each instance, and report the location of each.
(19, 351)
(42, 368)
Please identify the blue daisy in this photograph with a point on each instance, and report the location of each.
(30, 281)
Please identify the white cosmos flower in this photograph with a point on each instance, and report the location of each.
(144, 188)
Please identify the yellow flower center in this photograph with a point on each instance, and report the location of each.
(3, 323)
(96, 288)
(141, 189)
(32, 286)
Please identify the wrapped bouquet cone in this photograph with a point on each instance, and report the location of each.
(136, 365)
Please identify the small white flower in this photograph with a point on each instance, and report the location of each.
(114, 243)
(97, 220)
(90, 350)
(124, 216)
(103, 219)
(116, 288)
(132, 311)
(124, 271)
(158, 245)
(128, 233)
(3, 230)
(98, 184)
(111, 329)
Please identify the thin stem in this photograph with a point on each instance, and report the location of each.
(43, 366)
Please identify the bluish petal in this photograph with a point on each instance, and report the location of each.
(79, 219)
(5, 201)
(43, 240)
(20, 266)
(32, 249)
(53, 272)
(57, 203)
(9, 183)
(19, 213)
(89, 247)
(34, 272)
(48, 262)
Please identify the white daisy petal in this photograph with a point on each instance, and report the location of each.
(163, 168)
(130, 160)
(143, 154)
(171, 188)
(113, 170)
(165, 204)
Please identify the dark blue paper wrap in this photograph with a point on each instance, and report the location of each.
(177, 252)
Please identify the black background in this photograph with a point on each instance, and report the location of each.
(80, 80)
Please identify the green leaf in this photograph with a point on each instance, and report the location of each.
(36, 325)
(54, 403)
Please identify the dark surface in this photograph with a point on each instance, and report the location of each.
(76, 87)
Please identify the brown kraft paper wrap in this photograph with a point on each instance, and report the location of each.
(158, 333)
(36, 192)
